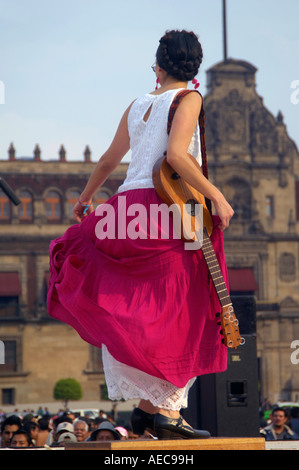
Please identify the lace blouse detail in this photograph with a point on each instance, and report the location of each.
(148, 138)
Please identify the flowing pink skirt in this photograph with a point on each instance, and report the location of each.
(149, 301)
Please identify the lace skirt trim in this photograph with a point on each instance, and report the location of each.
(125, 382)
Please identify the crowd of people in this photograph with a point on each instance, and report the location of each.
(43, 430)
(40, 429)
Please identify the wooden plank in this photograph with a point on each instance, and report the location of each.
(234, 443)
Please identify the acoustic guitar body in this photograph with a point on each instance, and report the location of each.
(175, 191)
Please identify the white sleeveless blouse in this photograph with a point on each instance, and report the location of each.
(148, 139)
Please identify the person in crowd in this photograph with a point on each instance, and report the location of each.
(278, 430)
(44, 430)
(82, 429)
(105, 432)
(102, 414)
(8, 427)
(69, 414)
(21, 438)
(33, 430)
(52, 437)
(64, 431)
(124, 435)
(64, 427)
(65, 438)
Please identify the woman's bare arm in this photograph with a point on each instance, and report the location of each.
(182, 129)
(105, 166)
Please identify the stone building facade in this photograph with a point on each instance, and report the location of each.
(255, 163)
(251, 159)
(39, 350)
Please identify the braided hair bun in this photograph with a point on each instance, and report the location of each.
(180, 54)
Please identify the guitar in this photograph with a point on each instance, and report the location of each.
(174, 190)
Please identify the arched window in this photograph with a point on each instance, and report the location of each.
(100, 197)
(53, 205)
(72, 198)
(5, 207)
(25, 209)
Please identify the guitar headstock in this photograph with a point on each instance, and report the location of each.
(230, 328)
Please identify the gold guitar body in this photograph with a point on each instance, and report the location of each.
(174, 190)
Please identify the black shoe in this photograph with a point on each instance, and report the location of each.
(169, 428)
(140, 421)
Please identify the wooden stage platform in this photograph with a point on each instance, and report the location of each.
(225, 443)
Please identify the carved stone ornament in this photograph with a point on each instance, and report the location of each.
(288, 302)
(239, 194)
(234, 126)
(225, 120)
(263, 134)
(287, 267)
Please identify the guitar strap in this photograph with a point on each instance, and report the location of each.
(201, 122)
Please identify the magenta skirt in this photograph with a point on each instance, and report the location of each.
(148, 299)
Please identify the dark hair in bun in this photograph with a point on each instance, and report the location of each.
(180, 54)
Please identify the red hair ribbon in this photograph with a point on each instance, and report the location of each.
(195, 83)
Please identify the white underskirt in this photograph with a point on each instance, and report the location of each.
(125, 382)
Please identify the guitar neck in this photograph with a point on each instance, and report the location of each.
(215, 271)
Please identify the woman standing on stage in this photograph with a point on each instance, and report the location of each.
(146, 301)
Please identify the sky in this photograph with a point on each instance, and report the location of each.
(70, 68)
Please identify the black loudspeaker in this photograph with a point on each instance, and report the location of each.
(227, 404)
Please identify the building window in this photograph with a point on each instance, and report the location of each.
(53, 206)
(5, 207)
(10, 291)
(104, 392)
(10, 357)
(72, 198)
(100, 197)
(9, 306)
(25, 209)
(269, 206)
(8, 396)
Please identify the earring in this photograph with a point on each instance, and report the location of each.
(157, 83)
(195, 83)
